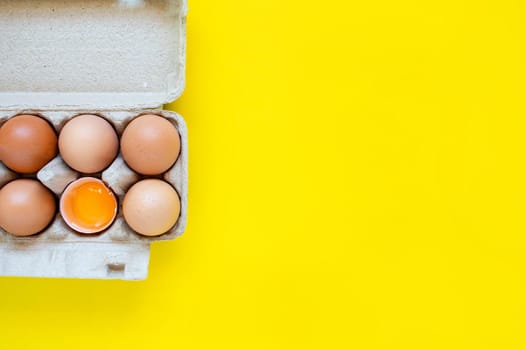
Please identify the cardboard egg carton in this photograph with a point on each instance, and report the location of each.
(114, 58)
(56, 175)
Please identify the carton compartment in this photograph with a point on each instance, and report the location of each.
(56, 175)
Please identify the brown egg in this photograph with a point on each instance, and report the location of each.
(151, 207)
(26, 207)
(150, 144)
(88, 143)
(27, 143)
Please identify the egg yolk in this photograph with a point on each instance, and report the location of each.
(90, 206)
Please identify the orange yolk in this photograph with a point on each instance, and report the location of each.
(90, 206)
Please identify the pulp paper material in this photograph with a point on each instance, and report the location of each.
(114, 58)
(96, 54)
(6, 175)
(75, 260)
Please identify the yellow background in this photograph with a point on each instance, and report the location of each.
(357, 182)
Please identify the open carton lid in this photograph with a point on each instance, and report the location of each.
(96, 54)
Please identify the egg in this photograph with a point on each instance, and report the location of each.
(27, 143)
(88, 143)
(26, 207)
(87, 205)
(151, 207)
(150, 144)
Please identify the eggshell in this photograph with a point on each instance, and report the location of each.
(150, 144)
(27, 143)
(88, 143)
(26, 207)
(88, 205)
(151, 207)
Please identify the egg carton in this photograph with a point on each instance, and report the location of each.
(114, 58)
(56, 175)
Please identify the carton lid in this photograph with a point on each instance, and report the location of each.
(97, 54)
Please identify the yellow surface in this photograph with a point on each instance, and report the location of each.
(357, 182)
